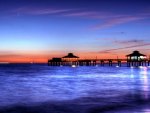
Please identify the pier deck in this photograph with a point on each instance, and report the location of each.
(101, 62)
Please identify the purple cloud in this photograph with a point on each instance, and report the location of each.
(116, 21)
(39, 11)
(108, 19)
(90, 14)
(127, 47)
(63, 12)
(130, 42)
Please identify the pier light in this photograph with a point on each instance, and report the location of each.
(143, 57)
(132, 67)
(73, 66)
(141, 67)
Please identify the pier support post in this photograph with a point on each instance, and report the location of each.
(119, 63)
(102, 62)
(128, 63)
(110, 62)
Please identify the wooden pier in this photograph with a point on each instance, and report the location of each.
(135, 59)
(100, 62)
(86, 62)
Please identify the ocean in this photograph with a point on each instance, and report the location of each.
(38, 88)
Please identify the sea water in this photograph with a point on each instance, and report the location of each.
(38, 88)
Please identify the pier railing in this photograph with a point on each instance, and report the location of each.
(93, 62)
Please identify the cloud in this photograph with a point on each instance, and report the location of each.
(127, 47)
(76, 12)
(90, 14)
(11, 55)
(105, 52)
(107, 19)
(130, 42)
(116, 21)
(39, 11)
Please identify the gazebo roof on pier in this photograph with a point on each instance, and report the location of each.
(70, 55)
(135, 53)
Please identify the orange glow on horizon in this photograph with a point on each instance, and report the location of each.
(43, 56)
(38, 58)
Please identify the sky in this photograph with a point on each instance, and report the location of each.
(37, 30)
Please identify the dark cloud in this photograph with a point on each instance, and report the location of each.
(129, 42)
(127, 47)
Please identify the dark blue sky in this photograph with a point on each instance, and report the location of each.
(38, 29)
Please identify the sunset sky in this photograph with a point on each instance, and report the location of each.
(35, 30)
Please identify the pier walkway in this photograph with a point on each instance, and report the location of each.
(134, 59)
(101, 62)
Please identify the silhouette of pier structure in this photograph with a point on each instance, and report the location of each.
(133, 59)
(137, 59)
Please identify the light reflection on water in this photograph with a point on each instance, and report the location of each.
(144, 80)
(87, 85)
